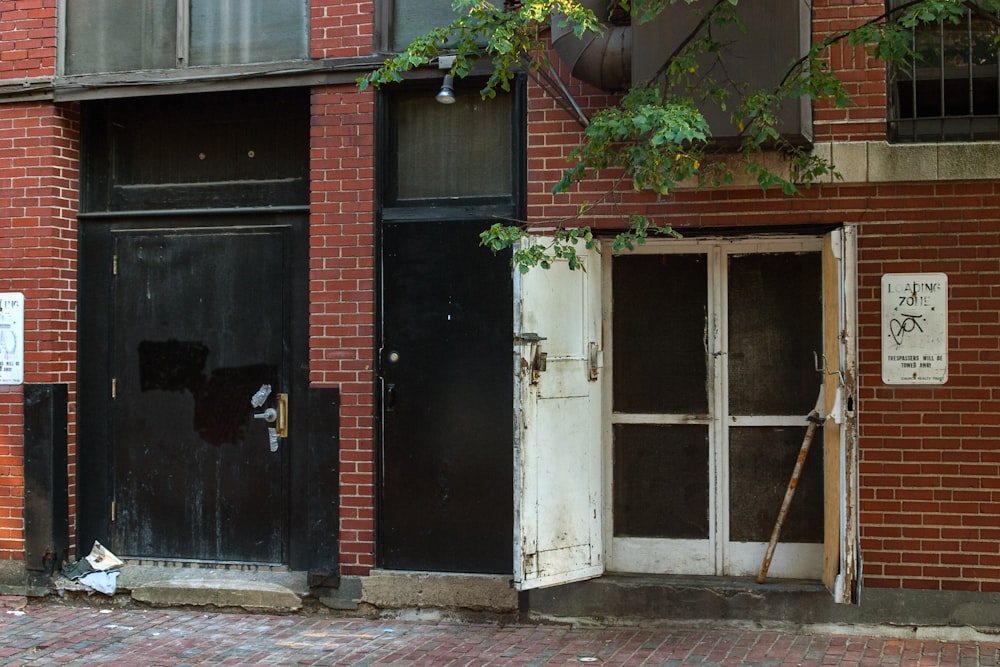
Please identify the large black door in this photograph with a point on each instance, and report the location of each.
(200, 321)
(446, 501)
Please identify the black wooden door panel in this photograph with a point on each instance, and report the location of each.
(446, 499)
(199, 327)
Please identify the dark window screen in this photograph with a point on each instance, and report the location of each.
(775, 316)
(413, 18)
(760, 465)
(661, 481)
(660, 328)
(460, 150)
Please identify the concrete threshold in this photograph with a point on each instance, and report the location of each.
(179, 584)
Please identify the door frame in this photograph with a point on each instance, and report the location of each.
(95, 452)
(444, 497)
(718, 558)
(390, 209)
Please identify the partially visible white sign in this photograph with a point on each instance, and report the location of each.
(11, 338)
(914, 328)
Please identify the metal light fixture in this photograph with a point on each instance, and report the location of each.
(447, 93)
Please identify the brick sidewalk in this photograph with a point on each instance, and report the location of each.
(53, 634)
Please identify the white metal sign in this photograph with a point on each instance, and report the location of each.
(914, 328)
(11, 338)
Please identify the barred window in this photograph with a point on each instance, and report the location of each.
(950, 91)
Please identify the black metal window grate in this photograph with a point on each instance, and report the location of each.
(951, 90)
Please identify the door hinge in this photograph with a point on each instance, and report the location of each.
(114, 265)
(112, 511)
(114, 388)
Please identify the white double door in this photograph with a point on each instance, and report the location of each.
(661, 401)
(713, 363)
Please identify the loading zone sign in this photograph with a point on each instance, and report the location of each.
(11, 338)
(914, 328)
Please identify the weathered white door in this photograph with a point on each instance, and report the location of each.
(557, 461)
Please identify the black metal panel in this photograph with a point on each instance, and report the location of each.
(744, 55)
(94, 462)
(320, 469)
(46, 480)
(199, 151)
(446, 494)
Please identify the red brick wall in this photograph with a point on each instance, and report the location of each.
(341, 29)
(342, 267)
(27, 38)
(342, 283)
(38, 195)
(929, 456)
(863, 76)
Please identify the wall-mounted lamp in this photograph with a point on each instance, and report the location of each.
(447, 93)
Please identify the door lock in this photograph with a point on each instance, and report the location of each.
(277, 415)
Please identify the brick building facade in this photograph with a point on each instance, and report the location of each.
(926, 508)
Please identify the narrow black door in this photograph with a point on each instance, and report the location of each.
(446, 500)
(200, 321)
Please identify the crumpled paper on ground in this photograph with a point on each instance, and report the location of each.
(97, 571)
(102, 582)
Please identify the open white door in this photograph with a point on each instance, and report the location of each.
(841, 557)
(557, 459)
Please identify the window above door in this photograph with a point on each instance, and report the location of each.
(405, 20)
(462, 160)
(951, 90)
(107, 36)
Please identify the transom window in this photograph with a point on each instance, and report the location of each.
(450, 156)
(105, 36)
(409, 19)
(951, 90)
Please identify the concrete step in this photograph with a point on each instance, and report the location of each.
(185, 584)
(253, 595)
(618, 598)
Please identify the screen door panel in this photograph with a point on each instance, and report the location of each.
(713, 374)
